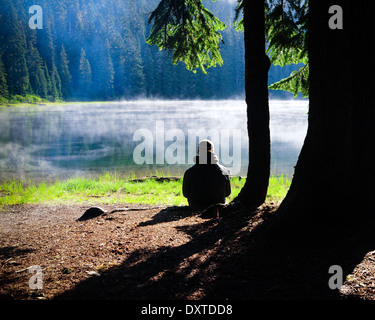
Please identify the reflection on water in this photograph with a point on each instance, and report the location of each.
(86, 139)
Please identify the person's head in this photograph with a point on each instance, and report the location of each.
(205, 146)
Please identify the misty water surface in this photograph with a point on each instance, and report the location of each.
(85, 139)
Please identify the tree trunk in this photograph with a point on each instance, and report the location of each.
(334, 175)
(257, 64)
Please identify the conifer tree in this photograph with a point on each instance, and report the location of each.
(85, 75)
(286, 30)
(37, 76)
(190, 31)
(56, 84)
(64, 72)
(4, 93)
(335, 168)
(13, 49)
(105, 73)
(47, 76)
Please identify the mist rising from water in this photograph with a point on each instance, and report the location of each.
(90, 138)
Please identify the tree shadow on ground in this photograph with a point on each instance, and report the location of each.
(11, 255)
(12, 251)
(228, 258)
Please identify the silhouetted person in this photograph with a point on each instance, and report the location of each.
(207, 182)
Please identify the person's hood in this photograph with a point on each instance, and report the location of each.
(210, 156)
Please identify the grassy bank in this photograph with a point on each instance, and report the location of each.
(21, 100)
(31, 100)
(111, 189)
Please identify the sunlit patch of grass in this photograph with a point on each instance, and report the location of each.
(277, 188)
(109, 188)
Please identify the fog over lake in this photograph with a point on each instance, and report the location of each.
(137, 138)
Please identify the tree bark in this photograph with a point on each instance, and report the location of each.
(334, 174)
(257, 64)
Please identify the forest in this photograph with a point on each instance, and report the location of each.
(316, 243)
(97, 50)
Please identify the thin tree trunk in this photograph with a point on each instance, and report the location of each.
(257, 65)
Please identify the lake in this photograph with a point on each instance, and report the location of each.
(138, 138)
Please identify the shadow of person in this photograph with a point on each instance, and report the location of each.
(172, 213)
(175, 213)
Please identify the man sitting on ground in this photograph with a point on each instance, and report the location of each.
(207, 182)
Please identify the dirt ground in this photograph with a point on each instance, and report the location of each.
(146, 252)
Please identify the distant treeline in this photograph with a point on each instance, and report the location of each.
(96, 50)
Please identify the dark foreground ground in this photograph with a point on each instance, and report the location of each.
(163, 253)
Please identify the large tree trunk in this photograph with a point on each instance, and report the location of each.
(257, 65)
(333, 182)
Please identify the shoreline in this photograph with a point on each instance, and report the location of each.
(51, 104)
(132, 100)
(109, 189)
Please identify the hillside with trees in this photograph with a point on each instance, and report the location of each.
(97, 50)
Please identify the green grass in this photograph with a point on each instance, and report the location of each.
(30, 100)
(21, 100)
(109, 188)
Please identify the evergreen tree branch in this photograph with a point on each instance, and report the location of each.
(189, 30)
(295, 83)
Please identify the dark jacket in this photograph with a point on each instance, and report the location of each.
(206, 184)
